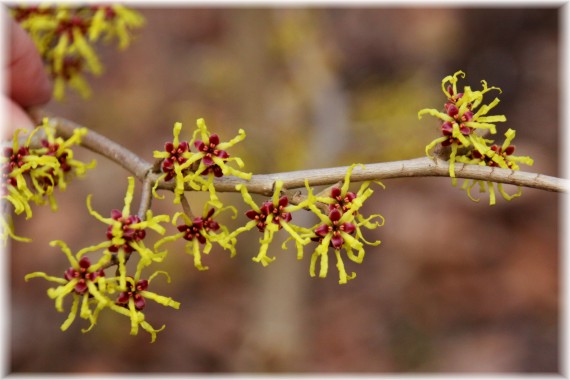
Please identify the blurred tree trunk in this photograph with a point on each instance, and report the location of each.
(276, 339)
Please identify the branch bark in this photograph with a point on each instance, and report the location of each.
(263, 183)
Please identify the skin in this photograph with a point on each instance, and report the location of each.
(28, 84)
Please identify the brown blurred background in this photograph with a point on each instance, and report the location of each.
(455, 286)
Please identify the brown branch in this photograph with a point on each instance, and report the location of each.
(418, 167)
(263, 183)
(105, 147)
(146, 198)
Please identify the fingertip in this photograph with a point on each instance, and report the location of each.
(14, 117)
(28, 82)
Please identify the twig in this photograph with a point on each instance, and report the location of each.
(263, 183)
(418, 167)
(186, 207)
(105, 147)
(146, 198)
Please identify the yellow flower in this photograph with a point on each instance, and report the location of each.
(272, 216)
(70, 75)
(198, 169)
(340, 228)
(33, 170)
(59, 148)
(63, 36)
(126, 232)
(7, 229)
(22, 165)
(84, 281)
(347, 201)
(201, 231)
(494, 156)
(464, 115)
(89, 287)
(113, 21)
(132, 297)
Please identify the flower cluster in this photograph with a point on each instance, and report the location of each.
(272, 216)
(64, 37)
(122, 293)
(125, 233)
(341, 228)
(465, 124)
(340, 225)
(34, 167)
(494, 156)
(198, 169)
(200, 232)
(86, 283)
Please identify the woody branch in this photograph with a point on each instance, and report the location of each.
(263, 183)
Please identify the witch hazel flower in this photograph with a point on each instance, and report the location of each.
(85, 282)
(210, 149)
(32, 169)
(197, 170)
(335, 230)
(494, 156)
(21, 12)
(61, 38)
(201, 232)
(126, 233)
(175, 162)
(132, 297)
(463, 115)
(465, 122)
(112, 21)
(69, 73)
(272, 216)
(64, 36)
(22, 168)
(89, 287)
(61, 149)
(501, 156)
(14, 193)
(341, 199)
(340, 229)
(213, 160)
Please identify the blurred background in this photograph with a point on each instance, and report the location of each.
(455, 286)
